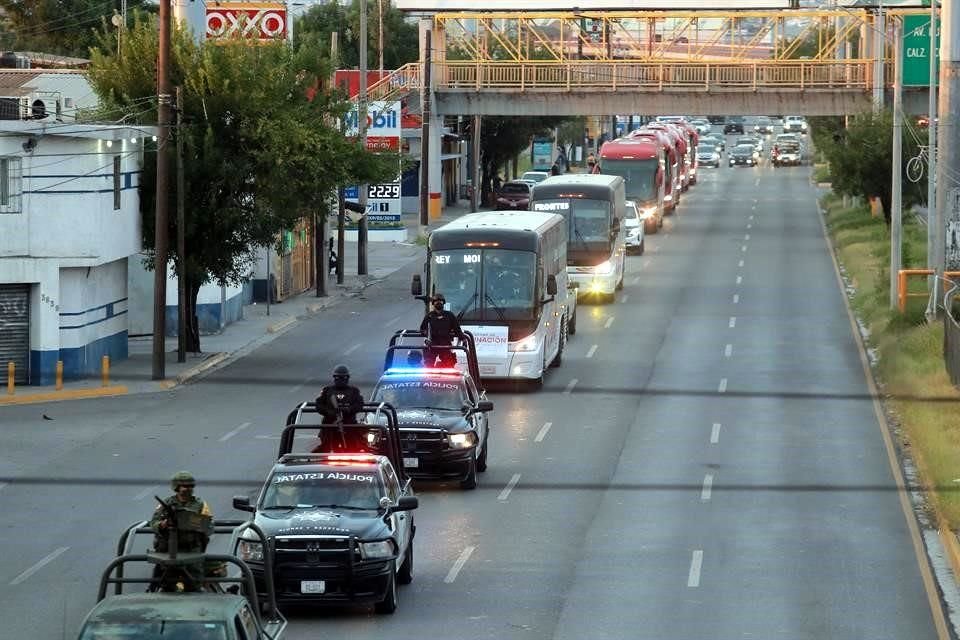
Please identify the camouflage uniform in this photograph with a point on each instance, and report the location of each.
(187, 542)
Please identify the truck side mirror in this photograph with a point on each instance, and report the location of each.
(551, 285)
(416, 287)
(407, 503)
(242, 503)
(484, 405)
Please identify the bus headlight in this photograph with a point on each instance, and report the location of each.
(605, 268)
(527, 344)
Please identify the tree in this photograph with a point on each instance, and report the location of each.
(259, 154)
(861, 160)
(400, 37)
(502, 138)
(61, 27)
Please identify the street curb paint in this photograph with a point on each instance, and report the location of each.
(68, 394)
(276, 327)
(209, 363)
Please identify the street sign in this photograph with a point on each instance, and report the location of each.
(258, 21)
(916, 50)
(383, 134)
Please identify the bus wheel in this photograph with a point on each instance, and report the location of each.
(572, 325)
(558, 359)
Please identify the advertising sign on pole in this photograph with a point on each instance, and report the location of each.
(383, 134)
(257, 21)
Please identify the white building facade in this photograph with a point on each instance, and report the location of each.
(69, 220)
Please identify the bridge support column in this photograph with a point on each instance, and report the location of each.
(878, 51)
(435, 164)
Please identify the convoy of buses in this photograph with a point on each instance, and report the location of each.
(514, 278)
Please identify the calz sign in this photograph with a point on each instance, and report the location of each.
(247, 20)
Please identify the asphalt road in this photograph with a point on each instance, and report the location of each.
(704, 464)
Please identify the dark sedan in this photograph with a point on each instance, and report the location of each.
(514, 196)
(742, 155)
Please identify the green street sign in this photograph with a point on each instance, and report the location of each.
(916, 50)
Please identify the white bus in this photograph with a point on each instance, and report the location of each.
(595, 207)
(504, 275)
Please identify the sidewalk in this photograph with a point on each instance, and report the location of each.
(256, 328)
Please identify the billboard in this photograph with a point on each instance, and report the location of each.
(383, 134)
(258, 21)
(555, 6)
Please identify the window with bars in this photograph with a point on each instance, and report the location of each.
(11, 185)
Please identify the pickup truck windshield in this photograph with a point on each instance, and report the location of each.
(324, 487)
(155, 630)
(420, 394)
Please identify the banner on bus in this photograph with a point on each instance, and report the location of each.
(492, 342)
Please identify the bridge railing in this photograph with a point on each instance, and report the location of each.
(620, 74)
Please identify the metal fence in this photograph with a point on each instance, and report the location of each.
(951, 338)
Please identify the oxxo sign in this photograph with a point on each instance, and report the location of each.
(916, 50)
(257, 21)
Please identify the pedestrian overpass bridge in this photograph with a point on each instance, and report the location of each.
(805, 62)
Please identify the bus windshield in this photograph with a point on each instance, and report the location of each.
(492, 285)
(590, 222)
(639, 176)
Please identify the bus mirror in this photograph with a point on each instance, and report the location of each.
(416, 287)
(551, 285)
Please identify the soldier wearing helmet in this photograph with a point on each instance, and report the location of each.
(341, 401)
(182, 499)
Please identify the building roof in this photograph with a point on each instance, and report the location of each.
(40, 59)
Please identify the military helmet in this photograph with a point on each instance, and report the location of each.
(341, 370)
(182, 478)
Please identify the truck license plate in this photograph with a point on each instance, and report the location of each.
(312, 586)
(411, 463)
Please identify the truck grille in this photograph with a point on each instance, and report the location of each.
(422, 441)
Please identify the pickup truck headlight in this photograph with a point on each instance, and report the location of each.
(463, 440)
(375, 550)
(250, 551)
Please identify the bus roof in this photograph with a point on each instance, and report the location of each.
(630, 149)
(520, 230)
(597, 186)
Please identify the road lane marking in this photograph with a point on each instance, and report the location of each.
(741, 264)
(728, 351)
(739, 279)
(624, 298)
(646, 263)
(296, 388)
(756, 183)
(635, 280)
(570, 386)
(722, 388)
(393, 321)
(715, 433)
(510, 485)
(657, 248)
(3, 485)
(296, 436)
(458, 565)
(143, 494)
(733, 321)
(751, 217)
(543, 432)
(753, 208)
(696, 562)
(746, 237)
(609, 322)
(749, 226)
(230, 434)
(743, 248)
(736, 298)
(352, 349)
(592, 351)
(707, 488)
(39, 565)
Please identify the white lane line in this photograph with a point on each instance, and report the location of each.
(635, 280)
(749, 226)
(3, 485)
(736, 298)
(696, 562)
(592, 351)
(609, 322)
(393, 321)
(754, 207)
(722, 388)
(746, 237)
(143, 494)
(510, 485)
(40, 565)
(543, 432)
(733, 321)
(728, 351)
(741, 264)
(751, 217)
(230, 434)
(743, 248)
(757, 182)
(352, 349)
(646, 263)
(624, 298)
(458, 565)
(715, 433)
(739, 279)
(296, 436)
(707, 488)
(570, 386)
(657, 248)
(296, 388)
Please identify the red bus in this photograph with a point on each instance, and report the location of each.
(640, 162)
(671, 174)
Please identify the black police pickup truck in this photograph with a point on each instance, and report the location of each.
(444, 430)
(339, 526)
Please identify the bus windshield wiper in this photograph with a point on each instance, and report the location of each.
(497, 308)
(579, 236)
(471, 301)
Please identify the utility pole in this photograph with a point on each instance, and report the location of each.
(341, 211)
(161, 229)
(896, 200)
(948, 155)
(933, 230)
(362, 124)
(425, 137)
(475, 162)
(380, 36)
(181, 239)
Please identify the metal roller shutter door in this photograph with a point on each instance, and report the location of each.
(15, 330)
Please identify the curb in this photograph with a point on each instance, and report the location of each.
(193, 372)
(67, 394)
(282, 324)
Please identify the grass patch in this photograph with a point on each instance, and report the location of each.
(821, 173)
(911, 366)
